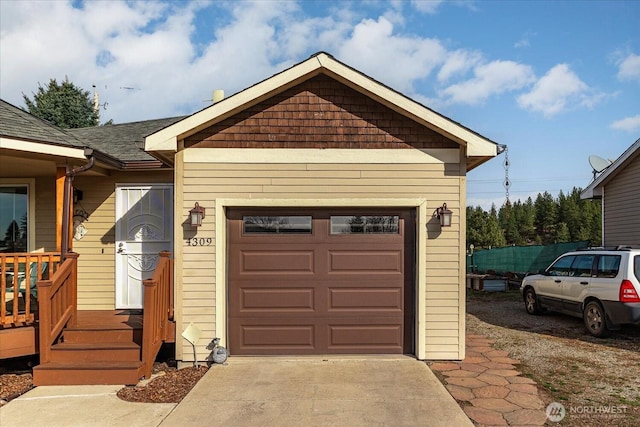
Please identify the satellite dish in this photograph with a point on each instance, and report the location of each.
(598, 164)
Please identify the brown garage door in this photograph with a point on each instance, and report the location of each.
(311, 282)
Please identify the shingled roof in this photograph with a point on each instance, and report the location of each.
(19, 124)
(123, 141)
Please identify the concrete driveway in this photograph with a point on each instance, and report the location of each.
(274, 391)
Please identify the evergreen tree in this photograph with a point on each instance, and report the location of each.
(526, 219)
(483, 229)
(562, 233)
(546, 217)
(64, 105)
(566, 218)
(508, 222)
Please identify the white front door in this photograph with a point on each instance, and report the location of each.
(144, 228)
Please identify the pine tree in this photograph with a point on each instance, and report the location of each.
(64, 105)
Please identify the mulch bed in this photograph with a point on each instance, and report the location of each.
(170, 386)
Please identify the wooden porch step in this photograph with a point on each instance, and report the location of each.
(97, 326)
(95, 352)
(88, 373)
(92, 334)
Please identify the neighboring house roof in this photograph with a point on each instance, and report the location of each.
(125, 141)
(164, 143)
(594, 190)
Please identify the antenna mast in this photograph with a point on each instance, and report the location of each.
(96, 100)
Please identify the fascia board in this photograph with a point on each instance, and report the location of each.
(167, 139)
(594, 190)
(41, 148)
(476, 145)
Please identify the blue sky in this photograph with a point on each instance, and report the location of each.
(554, 81)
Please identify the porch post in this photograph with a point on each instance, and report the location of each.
(61, 172)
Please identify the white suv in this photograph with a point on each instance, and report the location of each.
(600, 285)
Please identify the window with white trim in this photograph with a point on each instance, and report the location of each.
(14, 218)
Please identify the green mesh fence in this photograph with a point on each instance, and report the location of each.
(519, 259)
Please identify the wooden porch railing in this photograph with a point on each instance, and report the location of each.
(19, 274)
(158, 309)
(57, 304)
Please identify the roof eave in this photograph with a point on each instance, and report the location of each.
(39, 147)
(476, 144)
(475, 161)
(594, 190)
(167, 138)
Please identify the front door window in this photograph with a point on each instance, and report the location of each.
(14, 218)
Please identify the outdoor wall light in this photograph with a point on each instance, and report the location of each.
(444, 215)
(196, 215)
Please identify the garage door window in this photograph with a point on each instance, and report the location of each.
(277, 224)
(365, 224)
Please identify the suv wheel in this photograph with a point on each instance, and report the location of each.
(531, 301)
(594, 320)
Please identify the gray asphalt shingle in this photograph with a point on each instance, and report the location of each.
(124, 142)
(19, 124)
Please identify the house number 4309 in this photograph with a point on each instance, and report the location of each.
(199, 241)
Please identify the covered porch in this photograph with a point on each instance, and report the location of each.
(58, 254)
(80, 346)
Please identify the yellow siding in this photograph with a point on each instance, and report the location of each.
(438, 183)
(96, 265)
(45, 225)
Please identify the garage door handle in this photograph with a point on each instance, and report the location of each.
(584, 283)
(558, 281)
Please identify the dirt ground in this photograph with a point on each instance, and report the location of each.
(596, 380)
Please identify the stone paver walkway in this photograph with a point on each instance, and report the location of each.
(491, 391)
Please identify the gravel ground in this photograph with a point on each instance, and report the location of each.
(596, 380)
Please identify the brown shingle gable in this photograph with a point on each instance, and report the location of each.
(319, 113)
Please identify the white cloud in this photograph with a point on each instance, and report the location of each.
(426, 6)
(628, 124)
(155, 48)
(558, 90)
(629, 68)
(151, 46)
(525, 40)
(458, 62)
(396, 60)
(489, 79)
(144, 45)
